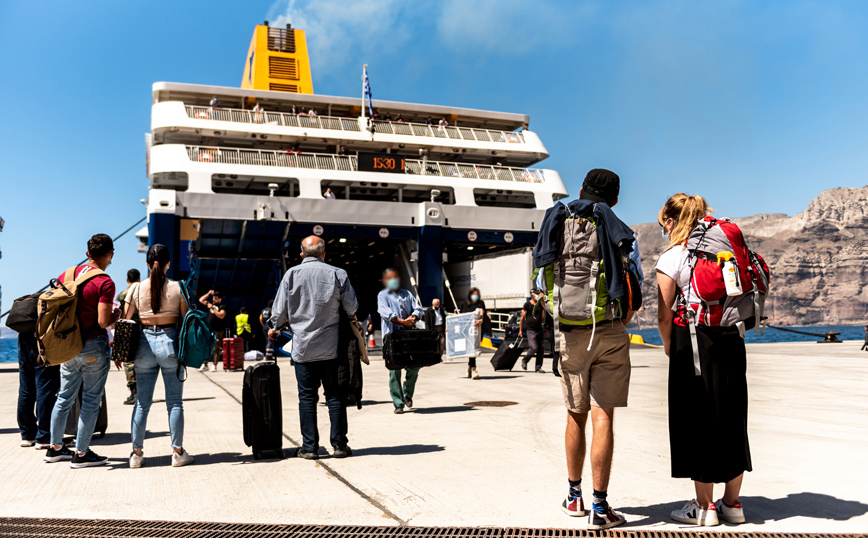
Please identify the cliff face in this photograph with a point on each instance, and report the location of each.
(818, 260)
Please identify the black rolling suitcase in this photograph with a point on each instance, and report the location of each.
(508, 354)
(262, 407)
(99, 430)
(411, 348)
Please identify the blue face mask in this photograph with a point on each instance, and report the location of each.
(663, 232)
(474, 298)
(393, 284)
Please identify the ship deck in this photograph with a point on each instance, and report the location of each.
(447, 464)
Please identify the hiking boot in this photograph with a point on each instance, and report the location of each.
(574, 507)
(399, 410)
(182, 459)
(136, 461)
(605, 520)
(131, 399)
(26, 443)
(408, 401)
(88, 459)
(306, 455)
(53, 456)
(730, 514)
(342, 451)
(693, 514)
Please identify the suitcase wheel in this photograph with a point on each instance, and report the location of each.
(256, 455)
(280, 454)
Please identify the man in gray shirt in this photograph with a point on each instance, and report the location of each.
(311, 297)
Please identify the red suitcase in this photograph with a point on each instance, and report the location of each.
(233, 354)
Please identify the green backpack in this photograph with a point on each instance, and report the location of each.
(196, 342)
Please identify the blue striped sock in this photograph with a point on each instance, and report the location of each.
(575, 488)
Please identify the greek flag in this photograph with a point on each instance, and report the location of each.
(366, 90)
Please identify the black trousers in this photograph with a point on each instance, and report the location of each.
(535, 340)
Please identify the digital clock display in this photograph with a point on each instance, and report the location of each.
(381, 162)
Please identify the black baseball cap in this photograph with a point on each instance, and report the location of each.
(601, 185)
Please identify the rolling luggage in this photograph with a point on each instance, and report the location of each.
(99, 430)
(508, 354)
(261, 407)
(233, 354)
(411, 348)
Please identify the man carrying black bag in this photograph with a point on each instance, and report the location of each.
(399, 310)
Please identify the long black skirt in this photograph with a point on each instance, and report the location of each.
(708, 413)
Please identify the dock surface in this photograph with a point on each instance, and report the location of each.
(448, 464)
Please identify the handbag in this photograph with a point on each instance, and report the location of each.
(127, 335)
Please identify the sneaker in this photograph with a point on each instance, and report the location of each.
(306, 454)
(204, 367)
(42, 446)
(408, 401)
(68, 441)
(136, 461)
(53, 456)
(523, 365)
(693, 514)
(399, 410)
(730, 514)
(342, 451)
(88, 459)
(475, 374)
(540, 371)
(182, 459)
(131, 399)
(574, 507)
(606, 520)
(213, 368)
(26, 443)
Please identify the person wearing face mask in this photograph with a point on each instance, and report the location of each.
(398, 310)
(475, 303)
(532, 325)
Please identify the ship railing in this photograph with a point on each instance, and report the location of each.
(349, 163)
(334, 123)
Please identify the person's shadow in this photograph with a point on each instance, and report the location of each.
(402, 450)
(763, 509)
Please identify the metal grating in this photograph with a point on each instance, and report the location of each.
(281, 40)
(490, 403)
(101, 528)
(292, 88)
(285, 68)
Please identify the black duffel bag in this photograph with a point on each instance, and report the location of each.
(411, 348)
(22, 316)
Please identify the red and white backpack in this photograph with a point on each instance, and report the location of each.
(711, 305)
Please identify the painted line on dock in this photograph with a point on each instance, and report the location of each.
(325, 466)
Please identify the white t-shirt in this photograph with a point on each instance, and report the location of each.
(674, 263)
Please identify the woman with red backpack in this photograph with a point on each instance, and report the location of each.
(707, 385)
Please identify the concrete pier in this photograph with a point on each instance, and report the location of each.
(446, 464)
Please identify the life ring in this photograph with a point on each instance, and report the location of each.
(529, 177)
(205, 157)
(203, 115)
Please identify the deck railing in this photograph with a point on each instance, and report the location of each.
(237, 115)
(348, 163)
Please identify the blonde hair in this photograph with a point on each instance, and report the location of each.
(685, 211)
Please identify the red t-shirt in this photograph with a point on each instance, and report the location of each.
(100, 289)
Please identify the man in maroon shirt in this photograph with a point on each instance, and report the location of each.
(89, 369)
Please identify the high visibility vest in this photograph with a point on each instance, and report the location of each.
(242, 324)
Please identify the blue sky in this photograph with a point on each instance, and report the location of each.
(756, 105)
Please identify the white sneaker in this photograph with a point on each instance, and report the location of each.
(182, 459)
(731, 514)
(136, 461)
(203, 368)
(693, 514)
(213, 368)
(25, 443)
(42, 446)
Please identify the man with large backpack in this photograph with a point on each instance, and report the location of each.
(93, 299)
(591, 287)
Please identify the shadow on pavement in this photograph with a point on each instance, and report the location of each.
(758, 510)
(190, 399)
(119, 438)
(402, 450)
(445, 409)
(9, 430)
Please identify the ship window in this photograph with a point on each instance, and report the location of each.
(504, 198)
(387, 192)
(256, 185)
(178, 181)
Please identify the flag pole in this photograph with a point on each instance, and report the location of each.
(364, 74)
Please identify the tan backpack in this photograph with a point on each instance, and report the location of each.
(57, 331)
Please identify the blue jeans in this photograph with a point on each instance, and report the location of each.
(37, 390)
(89, 370)
(309, 376)
(158, 353)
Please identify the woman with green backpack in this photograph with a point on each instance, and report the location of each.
(161, 306)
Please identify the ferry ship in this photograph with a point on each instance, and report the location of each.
(238, 176)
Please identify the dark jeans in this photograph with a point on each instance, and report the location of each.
(537, 347)
(310, 375)
(441, 337)
(37, 392)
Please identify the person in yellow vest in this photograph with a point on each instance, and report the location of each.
(242, 327)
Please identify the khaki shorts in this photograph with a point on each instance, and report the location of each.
(600, 377)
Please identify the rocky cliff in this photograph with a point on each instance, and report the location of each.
(818, 260)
